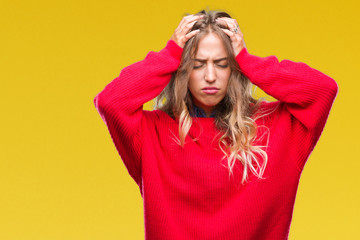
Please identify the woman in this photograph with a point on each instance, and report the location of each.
(211, 162)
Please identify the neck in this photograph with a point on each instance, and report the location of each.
(201, 112)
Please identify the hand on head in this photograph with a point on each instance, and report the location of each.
(181, 34)
(236, 36)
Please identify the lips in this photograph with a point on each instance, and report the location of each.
(210, 90)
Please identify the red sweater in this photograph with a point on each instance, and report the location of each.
(187, 192)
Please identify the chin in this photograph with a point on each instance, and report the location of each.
(211, 104)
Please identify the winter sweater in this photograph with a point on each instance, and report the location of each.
(187, 192)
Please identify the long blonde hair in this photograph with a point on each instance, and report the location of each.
(234, 115)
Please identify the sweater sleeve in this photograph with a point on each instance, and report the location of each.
(305, 93)
(120, 104)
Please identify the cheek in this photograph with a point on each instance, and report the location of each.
(193, 89)
(193, 81)
(226, 74)
(227, 78)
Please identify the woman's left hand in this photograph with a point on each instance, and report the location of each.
(235, 34)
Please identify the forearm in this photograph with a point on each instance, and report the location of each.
(141, 81)
(308, 93)
(120, 103)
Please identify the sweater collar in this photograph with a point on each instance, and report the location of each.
(199, 112)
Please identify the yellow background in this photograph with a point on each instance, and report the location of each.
(60, 174)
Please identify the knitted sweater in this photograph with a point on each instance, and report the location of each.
(187, 192)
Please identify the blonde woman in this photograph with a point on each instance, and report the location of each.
(212, 162)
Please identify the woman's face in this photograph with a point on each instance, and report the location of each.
(209, 78)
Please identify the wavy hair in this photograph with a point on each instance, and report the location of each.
(235, 115)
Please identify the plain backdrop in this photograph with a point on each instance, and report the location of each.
(60, 174)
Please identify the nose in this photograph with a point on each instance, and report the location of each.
(210, 74)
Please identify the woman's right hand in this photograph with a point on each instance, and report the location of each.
(181, 35)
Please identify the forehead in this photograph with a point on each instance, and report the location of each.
(211, 46)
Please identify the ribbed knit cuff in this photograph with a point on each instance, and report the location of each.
(248, 64)
(241, 56)
(174, 49)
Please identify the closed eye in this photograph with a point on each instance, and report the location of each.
(220, 65)
(223, 66)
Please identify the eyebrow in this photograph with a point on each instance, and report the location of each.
(216, 60)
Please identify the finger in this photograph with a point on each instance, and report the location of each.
(182, 21)
(231, 34)
(230, 22)
(224, 18)
(236, 23)
(189, 26)
(191, 34)
(189, 23)
(222, 21)
(235, 38)
(192, 19)
(235, 29)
